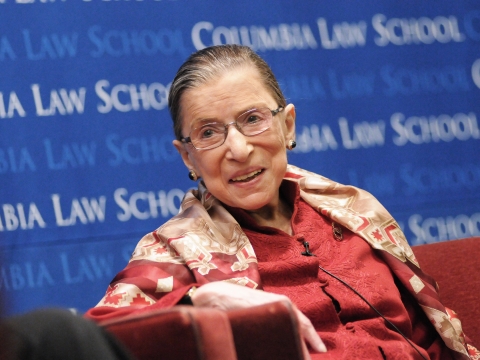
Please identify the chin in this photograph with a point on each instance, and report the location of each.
(250, 204)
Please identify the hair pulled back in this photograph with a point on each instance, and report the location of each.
(211, 62)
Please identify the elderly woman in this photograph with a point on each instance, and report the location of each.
(256, 223)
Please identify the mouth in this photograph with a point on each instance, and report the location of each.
(247, 177)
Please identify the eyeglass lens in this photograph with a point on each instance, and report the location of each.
(250, 123)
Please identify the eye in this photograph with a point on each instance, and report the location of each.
(206, 133)
(209, 130)
(253, 119)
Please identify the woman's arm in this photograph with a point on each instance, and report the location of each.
(155, 278)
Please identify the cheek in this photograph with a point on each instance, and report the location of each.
(279, 153)
(206, 164)
(280, 130)
(278, 144)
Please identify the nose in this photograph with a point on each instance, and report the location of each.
(238, 146)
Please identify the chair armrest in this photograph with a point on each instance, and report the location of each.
(181, 332)
(268, 331)
(185, 332)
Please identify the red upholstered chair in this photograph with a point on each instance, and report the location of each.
(184, 332)
(455, 265)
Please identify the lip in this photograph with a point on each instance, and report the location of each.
(238, 174)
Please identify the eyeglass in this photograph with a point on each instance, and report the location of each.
(250, 123)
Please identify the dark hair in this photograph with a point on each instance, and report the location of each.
(209, 63)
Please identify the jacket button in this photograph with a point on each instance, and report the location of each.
(350, 327)
(323, 282)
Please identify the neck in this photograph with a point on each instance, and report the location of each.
(277, 216)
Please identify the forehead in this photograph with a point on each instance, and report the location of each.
(227, 95)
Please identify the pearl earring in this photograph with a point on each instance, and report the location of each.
(192, 175)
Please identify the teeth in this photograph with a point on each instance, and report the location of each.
(244, 177)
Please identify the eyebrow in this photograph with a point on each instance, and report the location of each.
(204, 121)
(200, 122)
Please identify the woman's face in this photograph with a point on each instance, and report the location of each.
(243, 172)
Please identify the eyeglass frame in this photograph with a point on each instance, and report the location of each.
(188, 140)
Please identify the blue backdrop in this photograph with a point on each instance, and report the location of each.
(387, 96)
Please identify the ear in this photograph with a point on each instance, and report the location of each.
(183, 153)
(290, 116)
